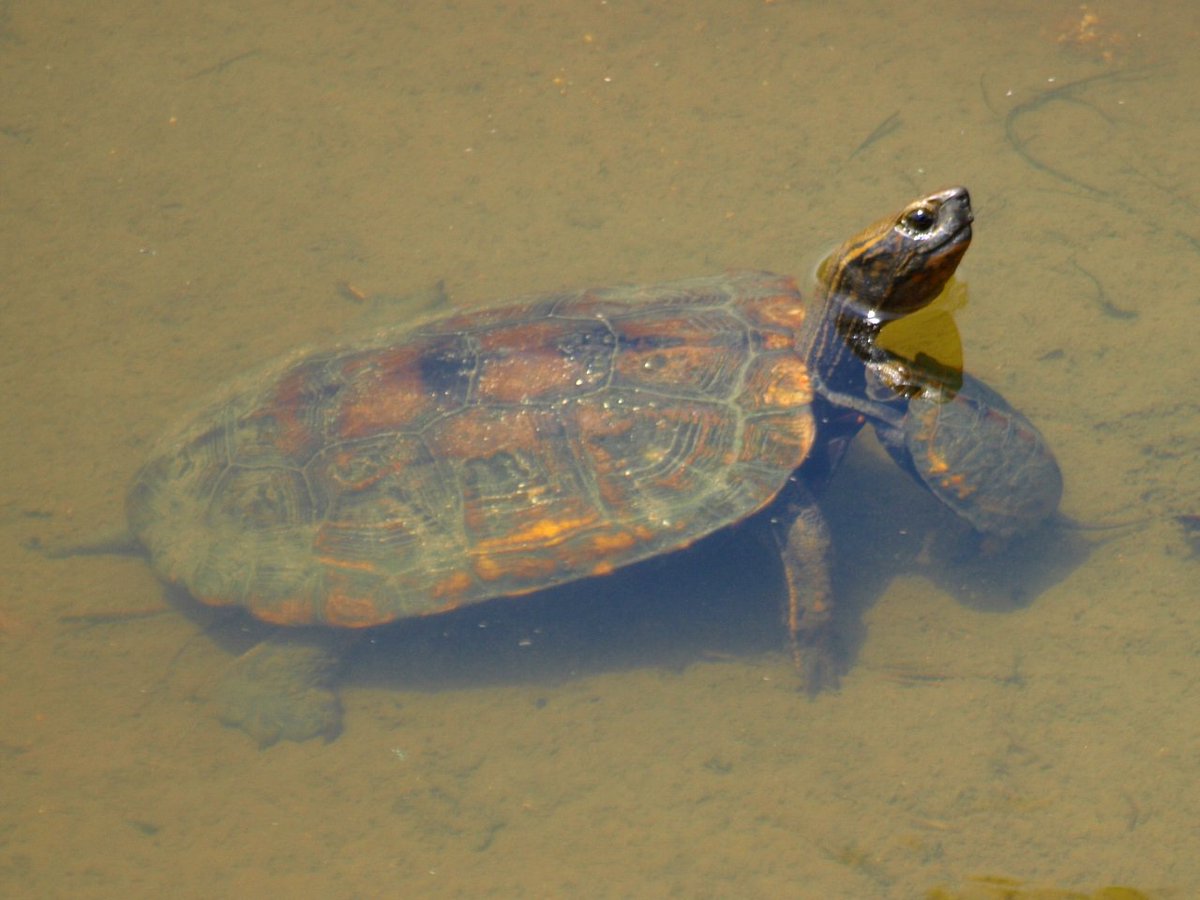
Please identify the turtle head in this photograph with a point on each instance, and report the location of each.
(901, 263)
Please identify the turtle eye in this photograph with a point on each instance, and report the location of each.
(920, 220)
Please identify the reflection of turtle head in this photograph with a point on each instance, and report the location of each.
(979, 456)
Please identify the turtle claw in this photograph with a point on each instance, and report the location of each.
(281, 690)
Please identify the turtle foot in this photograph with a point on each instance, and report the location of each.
(281, 690)
(817, 660)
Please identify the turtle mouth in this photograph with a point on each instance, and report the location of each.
(952, 246)
(955, 204)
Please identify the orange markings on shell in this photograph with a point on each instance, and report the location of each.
(549, 544)
(959, 485)
(596, 421)
(210, 600)
(782, 439)
(452, 587)
(285, 611)
(385, 392)
(613, 542)
(784, 310)
(525, 567)
(340, 563)
(286, 407)
(528, 363)
(541, 533)
(347, 611)
(773, 341)
(777, 382)
(936, 463)
(698, 349)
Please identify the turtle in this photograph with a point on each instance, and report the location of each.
(505, 450)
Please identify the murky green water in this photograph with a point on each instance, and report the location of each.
(188, 190)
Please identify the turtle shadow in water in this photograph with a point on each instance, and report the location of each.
(722, 598)
(717, 599)
(885, 525)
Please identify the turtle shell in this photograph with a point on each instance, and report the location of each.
(484, 455)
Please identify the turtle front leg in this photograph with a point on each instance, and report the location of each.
(282, 689)
(804, 547)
